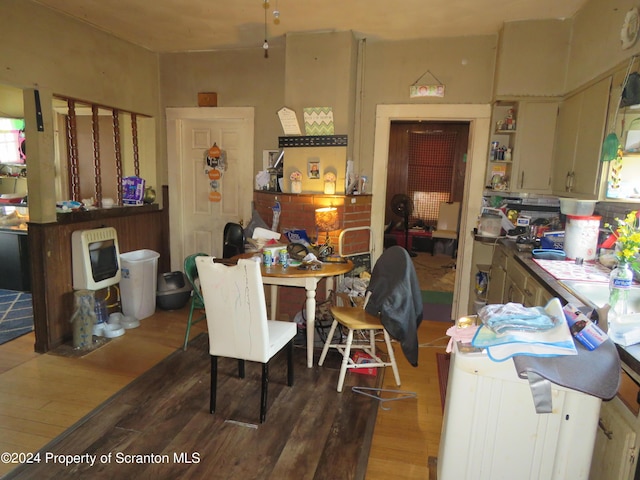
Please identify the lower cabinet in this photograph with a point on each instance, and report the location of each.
(616, 448)
(14, 261)
(510, 282)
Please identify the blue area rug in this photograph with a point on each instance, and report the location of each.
(16, 314)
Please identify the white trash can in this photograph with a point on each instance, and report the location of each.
(138, 283)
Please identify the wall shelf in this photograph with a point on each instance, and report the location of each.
(313, 141)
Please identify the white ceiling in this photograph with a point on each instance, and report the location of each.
(194, 25)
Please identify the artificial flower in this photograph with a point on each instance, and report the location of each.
(628, 239)
(296, 176)
(330, 177)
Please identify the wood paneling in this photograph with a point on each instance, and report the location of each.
(144, 227)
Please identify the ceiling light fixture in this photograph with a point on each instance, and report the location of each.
(265, 45)
(276, 14)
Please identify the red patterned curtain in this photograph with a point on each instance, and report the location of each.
(430, 173)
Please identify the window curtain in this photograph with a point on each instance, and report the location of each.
(430, 172)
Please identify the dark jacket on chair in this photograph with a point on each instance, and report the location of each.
(396, 299)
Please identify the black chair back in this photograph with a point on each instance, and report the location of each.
(233, 240)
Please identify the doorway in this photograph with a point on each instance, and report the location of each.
(479, 119)
(197, 217)
(426, 163)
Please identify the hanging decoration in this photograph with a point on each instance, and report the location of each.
(215, 165)
(432, 89)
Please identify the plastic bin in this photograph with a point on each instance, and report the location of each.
(138, 283)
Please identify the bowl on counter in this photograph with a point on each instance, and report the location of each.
(574, 206)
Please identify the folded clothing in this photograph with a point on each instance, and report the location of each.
(502, 319)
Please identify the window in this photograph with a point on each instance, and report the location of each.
(431, 162)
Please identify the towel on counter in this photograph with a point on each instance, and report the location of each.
(516, 317)
(546, 343)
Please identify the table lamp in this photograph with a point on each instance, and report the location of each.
(327, 221)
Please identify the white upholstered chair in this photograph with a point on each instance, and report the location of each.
(237, 321)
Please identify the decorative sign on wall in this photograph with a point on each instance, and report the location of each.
(421, 89)
(318, 121)
(215, 165)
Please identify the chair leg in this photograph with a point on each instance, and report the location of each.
(290, 364)
(186, 335)
(327, 344)
(263, 396)
(392, 357)
(214, 382)
(345, 359)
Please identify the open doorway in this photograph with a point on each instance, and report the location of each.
(427, 163)
(479, 120)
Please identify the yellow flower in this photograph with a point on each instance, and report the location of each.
(628, 239)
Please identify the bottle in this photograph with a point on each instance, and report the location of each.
(507, 154)
(620, 281)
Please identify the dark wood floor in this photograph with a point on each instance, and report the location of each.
(310, 431)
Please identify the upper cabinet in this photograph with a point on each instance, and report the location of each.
(533, 156)
(578, 143)
(521, 148)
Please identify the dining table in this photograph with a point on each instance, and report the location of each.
(307, 278)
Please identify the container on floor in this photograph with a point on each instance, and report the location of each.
(138, 283)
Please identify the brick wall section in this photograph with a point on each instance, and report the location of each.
(298, 211)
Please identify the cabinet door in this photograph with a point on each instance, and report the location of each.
(593, 117)
(534, 146)
(497, 277)
(615, 449)
(565, 144)
(512, 292)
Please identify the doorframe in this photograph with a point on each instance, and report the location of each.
(479, 118)
(175, 117)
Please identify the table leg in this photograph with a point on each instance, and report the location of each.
(274, 301)
(310, 309)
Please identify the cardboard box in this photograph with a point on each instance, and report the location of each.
(207, 99)
(361, 357)
(583, 329)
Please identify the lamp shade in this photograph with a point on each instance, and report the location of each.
(327, 219)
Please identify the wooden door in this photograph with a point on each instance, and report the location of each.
(201, 205)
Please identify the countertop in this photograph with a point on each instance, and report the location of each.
(630, 355)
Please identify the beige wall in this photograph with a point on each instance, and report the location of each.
(532, 58)
(465, 65)
(241, 78)
(56, 55)
(595, 42)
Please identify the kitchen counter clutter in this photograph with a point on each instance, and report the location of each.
(516, 276)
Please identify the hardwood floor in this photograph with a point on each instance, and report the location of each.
(42, 395)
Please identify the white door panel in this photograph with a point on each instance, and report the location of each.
(197, 224)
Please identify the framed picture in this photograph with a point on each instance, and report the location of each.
(269, 158)
(314, 169)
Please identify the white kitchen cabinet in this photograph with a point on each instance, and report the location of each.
(491, 430)
(616, 447)
(531, 142)
(533, 152)
(579, 136)
(497, 276)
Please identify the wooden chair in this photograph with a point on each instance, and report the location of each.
(237, 321)
(395, 294)
(197, 303)
(447, 226)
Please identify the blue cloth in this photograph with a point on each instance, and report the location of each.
(513, 316)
